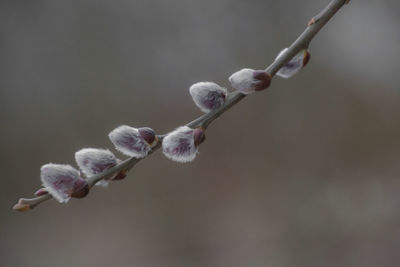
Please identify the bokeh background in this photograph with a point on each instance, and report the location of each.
(306, 173)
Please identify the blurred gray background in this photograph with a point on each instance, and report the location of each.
(306, 173)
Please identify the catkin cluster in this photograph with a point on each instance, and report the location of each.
(181, 145)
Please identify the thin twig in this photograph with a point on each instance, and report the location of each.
(302, 42)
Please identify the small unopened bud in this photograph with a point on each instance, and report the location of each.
(41, 192)
(129, 141)
(93, 161)
(120, 175)
(208, 95)
(21, 205)
(248, 81)
(63, 182)
(299, 61)
(181, 144)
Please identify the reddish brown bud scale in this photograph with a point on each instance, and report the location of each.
(41, 192)
(306, 59)
(263, 80)
(81, 189)
(147, 134)
(121, 175)
(198, 136)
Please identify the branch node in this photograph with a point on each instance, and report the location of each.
(312, 21)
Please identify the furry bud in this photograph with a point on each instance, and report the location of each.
(93, 161)
(181, 144)
(208, 95)
(63, 182)
(299, 61)
(248, 81)
(133, 142)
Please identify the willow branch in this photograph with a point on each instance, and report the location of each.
(302, 42)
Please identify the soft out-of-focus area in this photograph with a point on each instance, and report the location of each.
(306, 173)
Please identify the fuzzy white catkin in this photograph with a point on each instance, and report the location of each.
(179, 145)
(59, 179)
(293, 66)
(128, 141)
(208, 95)
(93, 161)
(243, 81)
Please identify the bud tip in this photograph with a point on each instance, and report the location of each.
(21, 205)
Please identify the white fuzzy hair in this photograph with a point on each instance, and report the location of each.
(243, 81)
(202, 91)
(59, 179)
(128, 141)
(171, 142)
(90, 160)
(293, 66)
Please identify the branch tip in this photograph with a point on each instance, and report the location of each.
(21, 205)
